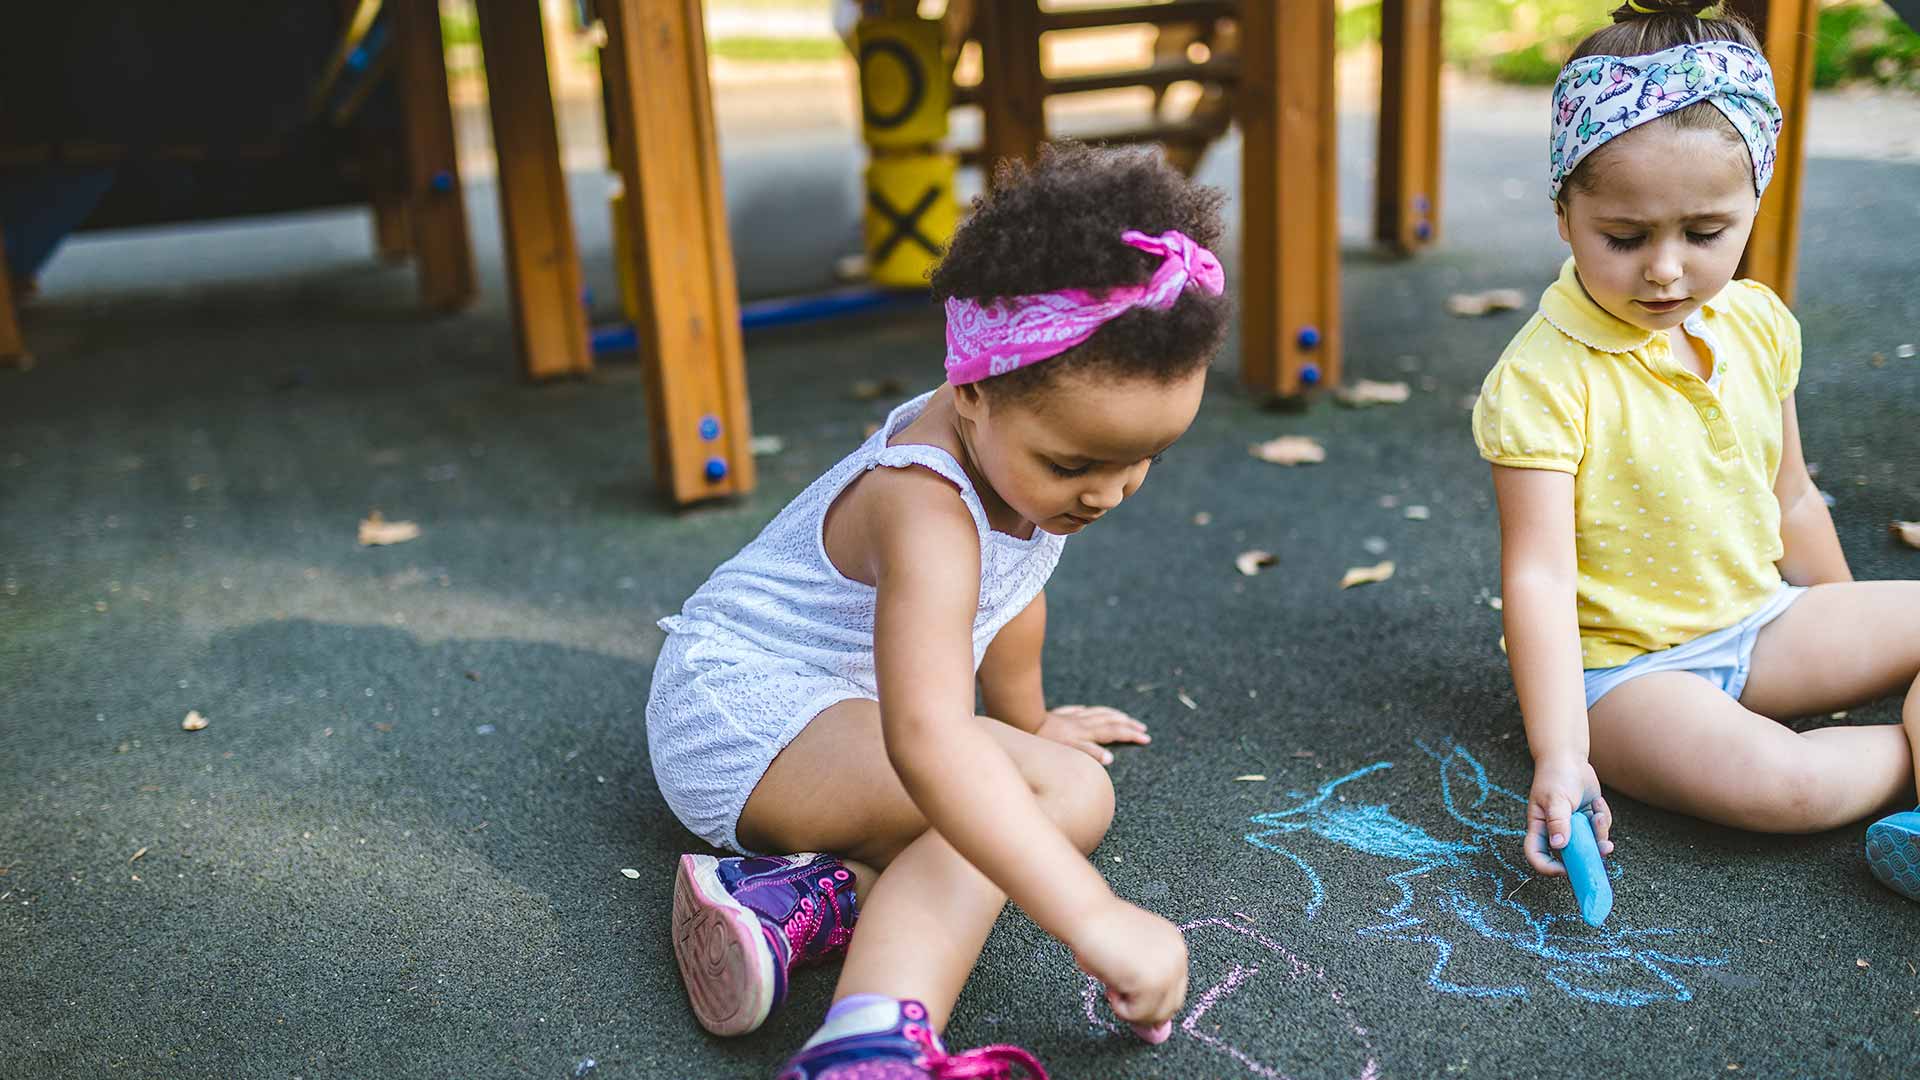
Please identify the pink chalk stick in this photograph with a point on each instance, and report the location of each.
(1156, 1034)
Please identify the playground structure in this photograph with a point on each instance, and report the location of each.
(354, 109)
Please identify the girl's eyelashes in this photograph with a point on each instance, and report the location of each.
(1062, 471)
(1628, 243)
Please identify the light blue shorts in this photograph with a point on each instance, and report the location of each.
(1722, 657)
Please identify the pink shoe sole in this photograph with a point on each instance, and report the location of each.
(723, 954)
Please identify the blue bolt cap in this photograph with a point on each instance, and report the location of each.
(709, 428)
(1423, 231)
(442, 181)
(1310, 374)
(1309, 337)
(716, 469)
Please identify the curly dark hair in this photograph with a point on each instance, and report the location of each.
(1056, 224)
(1662, 25)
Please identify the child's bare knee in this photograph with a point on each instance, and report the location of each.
(1793, 793)
(1078, 797)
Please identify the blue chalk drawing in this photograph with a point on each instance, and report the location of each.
(1458, 893)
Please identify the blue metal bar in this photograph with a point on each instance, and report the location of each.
(780, 311)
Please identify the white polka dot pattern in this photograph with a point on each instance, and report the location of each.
(1659, 456)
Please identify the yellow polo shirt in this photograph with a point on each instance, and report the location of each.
(1676, 527)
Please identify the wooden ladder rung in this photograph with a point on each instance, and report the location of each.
(1176, 11)
(1219, 70)
(1184, 133)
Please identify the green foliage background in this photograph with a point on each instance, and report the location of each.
(1526, 41)
(1520, 41)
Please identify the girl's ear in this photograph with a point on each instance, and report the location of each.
(970, 401)
(1560, 219)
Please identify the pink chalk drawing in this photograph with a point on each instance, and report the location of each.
(1237, 976)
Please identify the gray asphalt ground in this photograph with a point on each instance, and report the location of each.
(396, 849)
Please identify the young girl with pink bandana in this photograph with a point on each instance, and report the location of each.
(816, 695)
(1674, 590)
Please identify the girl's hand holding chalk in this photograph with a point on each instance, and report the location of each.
(1562, 785)
(1142, 959)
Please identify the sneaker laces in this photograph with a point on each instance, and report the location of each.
(982, 1063)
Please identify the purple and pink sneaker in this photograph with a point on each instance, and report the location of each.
(740, 925)
(905, 1049)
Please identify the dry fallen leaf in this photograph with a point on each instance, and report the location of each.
(1418, 513)
(1908, 532)
(1249, 778)
(1303, 754)
(1862, 963)
(766, 445)
(1203, 518)
(1497, 604)
(1250, 562)
(873, 389)
(1185, 700)
(628, 871)
(137, 854)
(1290, 450)
(194, 721)
(1369, 392)
(377, 530)
(1366, 575)
(1483, 303)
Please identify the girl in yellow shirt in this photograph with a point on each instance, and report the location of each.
(1673, 585)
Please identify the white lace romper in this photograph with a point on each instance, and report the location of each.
(778, 634)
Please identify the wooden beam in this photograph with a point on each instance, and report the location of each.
(1290, 277)
(439, 216)
(1012, 91)
(664, 145)
(392, 227)
(1406, 214)
(1172, 133)
(1173, 11)
(13, 345)
(1222, 70)
(1786, 31)
(543, 267)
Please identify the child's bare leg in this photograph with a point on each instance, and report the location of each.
(923, 922)
(1838, 646)
(1675, 740)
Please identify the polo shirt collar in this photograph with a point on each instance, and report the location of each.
(1566, 305)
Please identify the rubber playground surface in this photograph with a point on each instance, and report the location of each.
(397, 847)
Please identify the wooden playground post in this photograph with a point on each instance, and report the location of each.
(543, 267)
(1290, 279)
(1406, 215)
(438, 216)
(1786, 31)
(13, 347)
(1013, 91)
(392, 227)
(655, 67)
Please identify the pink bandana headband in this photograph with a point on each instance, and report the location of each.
(1013, 332)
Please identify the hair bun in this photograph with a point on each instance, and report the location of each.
(1646, 9)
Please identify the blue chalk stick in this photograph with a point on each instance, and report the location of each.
(1586, 871)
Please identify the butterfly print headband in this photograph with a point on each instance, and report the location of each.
(1598, 98)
